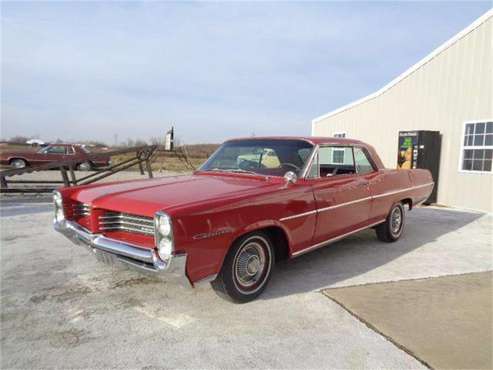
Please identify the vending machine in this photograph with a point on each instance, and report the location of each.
(420, 149)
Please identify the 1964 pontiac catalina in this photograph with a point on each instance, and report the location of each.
(255, 201)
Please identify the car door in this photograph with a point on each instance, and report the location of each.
(367, 170)
(342, 196)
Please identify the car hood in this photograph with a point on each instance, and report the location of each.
(145, 197)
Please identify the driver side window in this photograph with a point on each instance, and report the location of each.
(335, 160)
(332, 161)
(363, 164)
(55, 150)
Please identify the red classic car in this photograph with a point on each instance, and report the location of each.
(255, 201)
(54, 153)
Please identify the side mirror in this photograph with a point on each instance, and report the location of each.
(290, 177)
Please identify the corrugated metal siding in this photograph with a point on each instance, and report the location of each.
(452, 88)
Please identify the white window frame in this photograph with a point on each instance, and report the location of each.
(340, 135)
(464, 147)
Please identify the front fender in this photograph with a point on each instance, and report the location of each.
(206, 255)
(262, 225)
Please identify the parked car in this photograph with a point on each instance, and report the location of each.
(242, 211)
(54, 153)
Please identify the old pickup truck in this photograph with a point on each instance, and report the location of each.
(254, 202)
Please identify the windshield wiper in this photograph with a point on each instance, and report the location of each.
(239, 170)
(235, 170)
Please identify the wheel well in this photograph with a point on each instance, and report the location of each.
(14, 158)
(278, 238)
(408, 202)
(86, 161)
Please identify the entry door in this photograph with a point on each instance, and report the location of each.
(342, 196)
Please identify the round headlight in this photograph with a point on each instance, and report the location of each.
(57, 198)
(165, 248)
(164, 225)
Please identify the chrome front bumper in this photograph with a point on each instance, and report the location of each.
(113, 251)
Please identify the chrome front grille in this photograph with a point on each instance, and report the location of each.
(126, 222)
(81, 209)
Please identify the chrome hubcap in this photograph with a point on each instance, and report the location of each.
(396, 220)
(250, 264)
(18, 164)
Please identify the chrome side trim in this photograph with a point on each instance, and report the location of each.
(344, 204)
(354, 201)
(402, 190)
(298, 215)
(331, 240)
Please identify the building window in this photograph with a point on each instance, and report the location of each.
(477, 151)
(338, 155)
(340, 135)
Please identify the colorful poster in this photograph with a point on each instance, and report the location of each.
(407, 151)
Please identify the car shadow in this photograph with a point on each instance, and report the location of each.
(362, 252)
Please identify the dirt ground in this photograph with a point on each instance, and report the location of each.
(446, 322)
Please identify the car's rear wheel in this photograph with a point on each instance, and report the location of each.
(246, 269)
(85, 166)
(391, 230)
(18, 163)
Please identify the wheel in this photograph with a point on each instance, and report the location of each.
(85, 166)
(18, 163)
(391, 229)
(246, 269)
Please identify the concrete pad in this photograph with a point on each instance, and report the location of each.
(446, 322)
(436, 242)
(61, 308)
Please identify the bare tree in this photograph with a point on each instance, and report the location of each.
(18, 140)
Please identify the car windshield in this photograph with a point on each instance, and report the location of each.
(260, 156)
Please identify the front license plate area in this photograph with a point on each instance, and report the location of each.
(106, 258)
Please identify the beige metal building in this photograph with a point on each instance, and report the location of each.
(449, 91)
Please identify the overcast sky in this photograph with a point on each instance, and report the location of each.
(91, 70)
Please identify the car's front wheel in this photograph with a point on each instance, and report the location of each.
(18, 163)
(391, 229)
(246, 269)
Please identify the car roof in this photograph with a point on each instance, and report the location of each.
(315, 140)
(65, 144)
